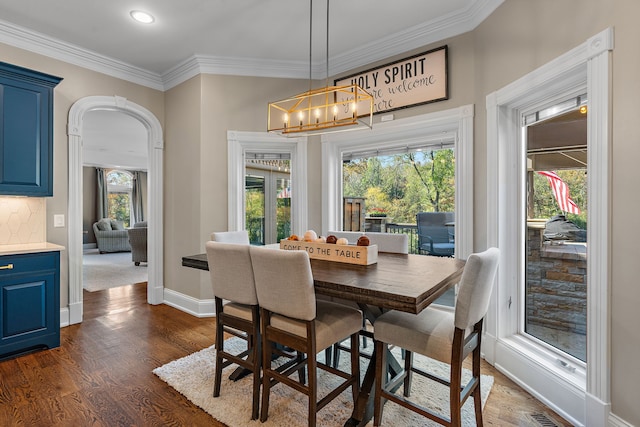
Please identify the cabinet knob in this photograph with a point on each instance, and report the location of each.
(6, 267)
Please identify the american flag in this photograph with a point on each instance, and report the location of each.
(285, 193)
(561, 192)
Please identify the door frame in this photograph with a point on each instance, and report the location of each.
(588, 65)
(155, 286)
(238, 143)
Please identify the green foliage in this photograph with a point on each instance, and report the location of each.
(403, 184)
(544, 203)
(119, 207)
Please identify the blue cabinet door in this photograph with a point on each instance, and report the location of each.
(26, 131)
(29, 302)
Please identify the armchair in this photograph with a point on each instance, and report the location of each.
(138, 242)
(111, 236)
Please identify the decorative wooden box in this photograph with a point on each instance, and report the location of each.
(350, 254)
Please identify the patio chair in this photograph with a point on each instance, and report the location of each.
(434, 236)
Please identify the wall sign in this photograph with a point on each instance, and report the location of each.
(417, 80)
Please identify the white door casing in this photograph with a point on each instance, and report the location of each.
(155, 287)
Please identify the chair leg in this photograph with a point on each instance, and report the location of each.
(327, 356)
(477, 397)
(355, 367)
(313, 388)
(336, 355)
(454, 392)
(217, 378)
(266, 368)
(408, 363)
(256, 355)
(380, 352)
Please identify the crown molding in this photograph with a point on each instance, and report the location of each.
(42, 44)
(205, 64)
(412, 38)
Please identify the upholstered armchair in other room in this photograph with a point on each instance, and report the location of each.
(111, 236)
(138, 242)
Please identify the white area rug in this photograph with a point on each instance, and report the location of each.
(193, 375)
(110, 270)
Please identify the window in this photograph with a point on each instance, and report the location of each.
(119, 187)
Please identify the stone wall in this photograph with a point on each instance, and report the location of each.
(556, 293)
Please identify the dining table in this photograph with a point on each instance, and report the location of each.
(408, 283)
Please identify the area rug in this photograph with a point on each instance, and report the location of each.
(192, 376)
(110, 270)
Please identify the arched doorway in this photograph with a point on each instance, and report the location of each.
(155, 287)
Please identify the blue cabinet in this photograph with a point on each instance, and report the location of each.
(26, 131)
(29, 302)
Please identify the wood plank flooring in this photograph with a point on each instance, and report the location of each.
(101, 374)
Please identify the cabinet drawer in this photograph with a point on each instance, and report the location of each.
(17, 264)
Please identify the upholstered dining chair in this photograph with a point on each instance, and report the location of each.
(232, 280)
(240, 237)
(396, 243)
(446, 336)
(291, 316)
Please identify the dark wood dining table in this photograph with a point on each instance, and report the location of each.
(396, 282)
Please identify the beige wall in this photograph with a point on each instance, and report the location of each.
(78, 83)
(520, 36)
(517, 38)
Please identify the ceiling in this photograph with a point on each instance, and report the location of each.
(242, 37)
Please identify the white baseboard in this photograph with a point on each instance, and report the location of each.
(86, 246)
(64, 317)
(615, 421)
(193, 306)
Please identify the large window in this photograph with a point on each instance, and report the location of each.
(119, 187)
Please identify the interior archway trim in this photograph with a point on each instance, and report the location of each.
(155, 287)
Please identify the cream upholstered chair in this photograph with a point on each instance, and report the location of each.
(396, 243)
(445, 336)
(232, 280)
(291, 316)
(239, 237)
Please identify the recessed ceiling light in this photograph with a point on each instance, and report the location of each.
(142, 17)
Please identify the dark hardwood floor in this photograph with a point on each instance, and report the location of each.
(101, 374)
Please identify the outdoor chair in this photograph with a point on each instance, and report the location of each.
(435, 240)
(436, 234)
(441, 335)
(292, 317)
(232, 280)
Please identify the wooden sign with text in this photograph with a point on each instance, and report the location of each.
(420, 79)
(350, 254)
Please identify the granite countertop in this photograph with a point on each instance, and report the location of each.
(26, 248)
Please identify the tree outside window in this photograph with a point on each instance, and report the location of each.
(119, 187)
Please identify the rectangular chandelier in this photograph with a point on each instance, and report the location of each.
(317, 111)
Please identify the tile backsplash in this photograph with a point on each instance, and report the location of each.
(22, 220)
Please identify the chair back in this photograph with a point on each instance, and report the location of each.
(434, 218)
(396, 243)
(437, 233)
(476, 285)
(239, 237)
(284, 282)
(231, 272)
